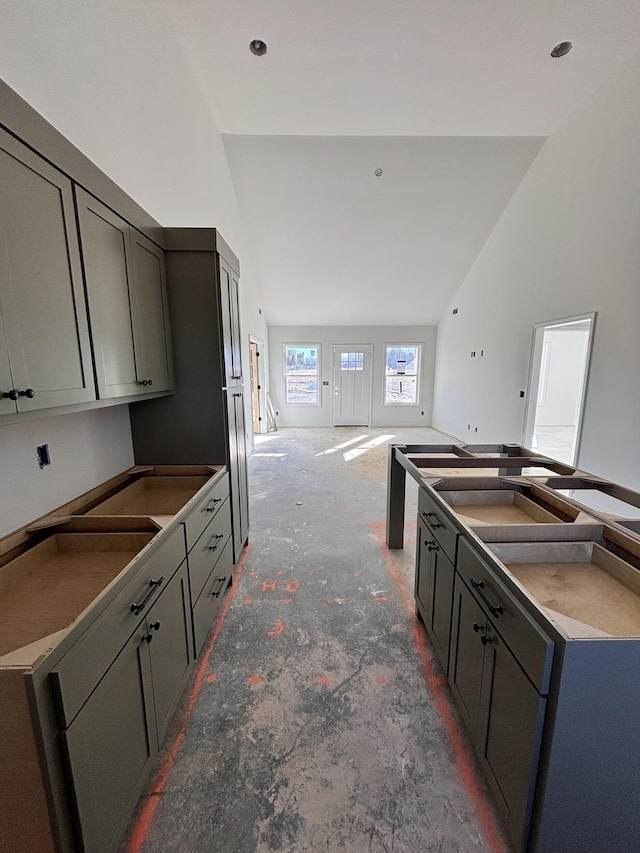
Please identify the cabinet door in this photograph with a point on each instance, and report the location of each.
(151, 315)
(424, 564)
(238, 471)
(110, 747)
(108, 273)
(230, 315)
(7, 406)
(169, 639)
(441, 593)
(510, 731)
(41, 293)
(467, 655)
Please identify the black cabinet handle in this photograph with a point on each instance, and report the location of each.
(477, 627)
(496, 609)
(216, 539)
(147, 637)
(138, 608)
(11, 395)
(221, 583)
(30, 393)
(431, 546)
(213, 504)
(150, 382)
(155, 626)
(485, 639)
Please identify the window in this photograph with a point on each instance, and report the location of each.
(301, 383)
(351, 361)
(402, 374)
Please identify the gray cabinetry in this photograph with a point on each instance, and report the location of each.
(502, 709)
(45, 355)
(204, 422)
(116, 734)
(126, 288)
(434, 590)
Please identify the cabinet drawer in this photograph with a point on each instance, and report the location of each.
(206, 552)
(211, 597)
(204, 511)
(528, 642)
(438, 524)
(79, 671)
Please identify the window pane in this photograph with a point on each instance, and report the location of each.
(401, 389)
(301, 374)
(351, 361)
(402, 369)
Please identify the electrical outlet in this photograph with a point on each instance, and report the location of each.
(44, 458)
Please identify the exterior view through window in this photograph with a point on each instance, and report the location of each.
(301, 373)
(402, 373)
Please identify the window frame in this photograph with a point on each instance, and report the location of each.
(302, 345)
(417, 374)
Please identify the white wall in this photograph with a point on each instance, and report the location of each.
(86, 448)
(112, 78)
(327, 337)
(567, 350)
(567, 244)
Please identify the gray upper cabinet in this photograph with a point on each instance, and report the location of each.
(151, 314)
(45, 354)
(124, 273)
(230, 315)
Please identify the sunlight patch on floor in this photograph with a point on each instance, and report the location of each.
(344, 444)
(364, 448)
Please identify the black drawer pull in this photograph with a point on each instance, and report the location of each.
(11, 395)
(221, 583)
(216, 539)
(477, 627)
(155, 626)
(211, 507)
(30, 393)
(147, 637)
(431, 546)
(485, 639)
(496, 609)
(138, 608)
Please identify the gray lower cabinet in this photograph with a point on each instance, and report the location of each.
(434, 590)
(126, 288)
(111, 743)
(502, 709)
(45, 353)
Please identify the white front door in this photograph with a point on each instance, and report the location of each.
(352, 385)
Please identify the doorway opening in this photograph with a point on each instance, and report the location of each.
(352, 385)
(557, 386)
(257, 385)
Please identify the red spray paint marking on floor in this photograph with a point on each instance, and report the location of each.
(269, 585)
(437, 686)
(254, 679)
(322, 679)
(211, 678)
(278, 628)
(293, 586)
(144, 820)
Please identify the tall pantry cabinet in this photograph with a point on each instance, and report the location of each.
(204, 421)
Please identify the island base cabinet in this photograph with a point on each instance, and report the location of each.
(434, 591)
(502, 709)
(110, 745)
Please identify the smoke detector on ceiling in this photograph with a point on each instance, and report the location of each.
(378, 173)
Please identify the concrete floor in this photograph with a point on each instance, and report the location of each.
(319, 721)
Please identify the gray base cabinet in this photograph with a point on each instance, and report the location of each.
(97, 646)
(550, 700)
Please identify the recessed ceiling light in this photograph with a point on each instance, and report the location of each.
(258, 47)
(561, 49)
(378, 173)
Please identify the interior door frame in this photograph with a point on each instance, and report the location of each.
(352, 348)
(534, 376)
(261, 391)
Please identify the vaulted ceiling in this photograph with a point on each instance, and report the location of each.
(452, 100)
